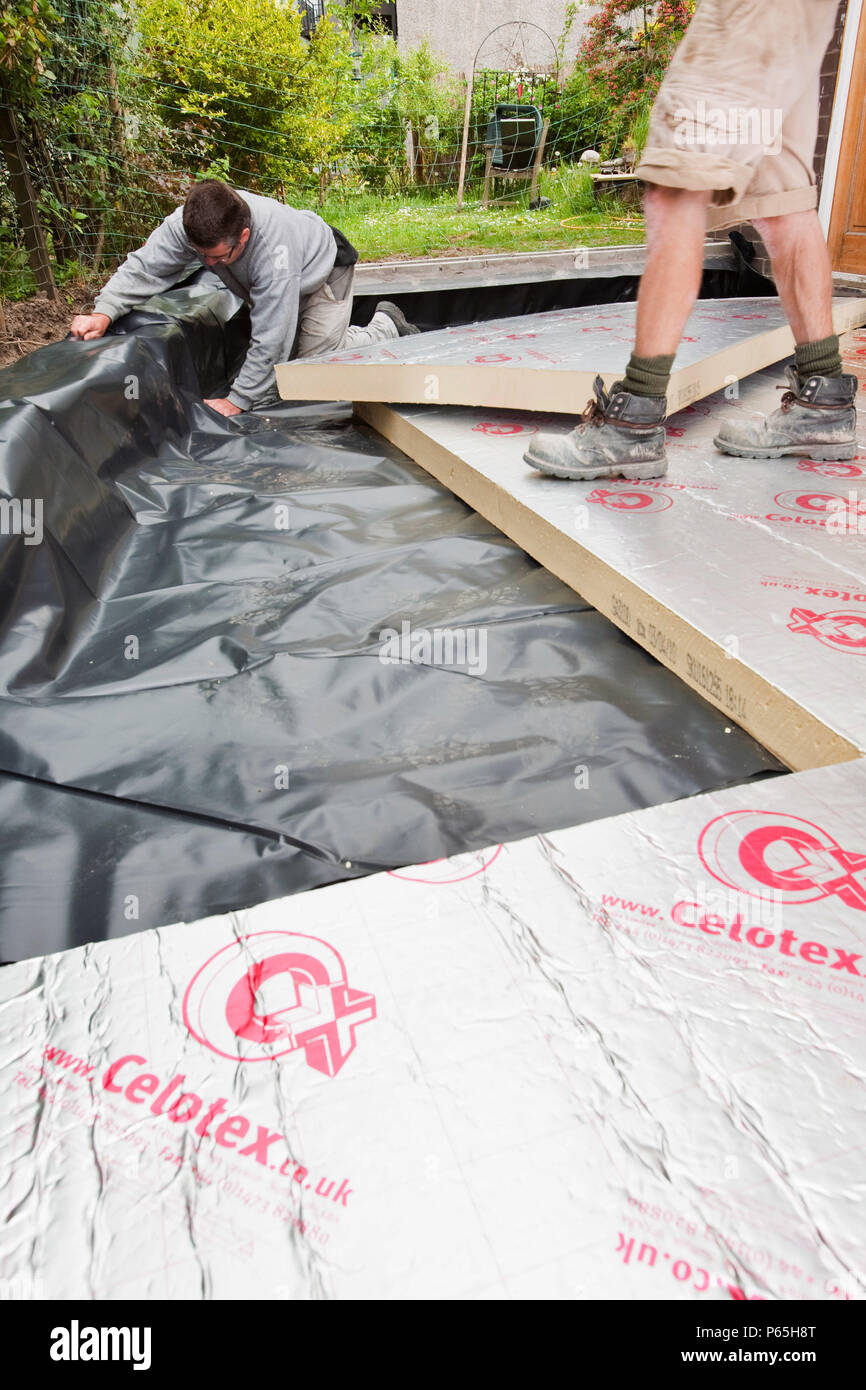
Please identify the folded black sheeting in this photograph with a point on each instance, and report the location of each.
(431, 308)
(171, 655)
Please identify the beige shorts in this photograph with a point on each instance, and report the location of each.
(737, 112)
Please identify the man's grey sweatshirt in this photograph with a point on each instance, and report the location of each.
(290, 253)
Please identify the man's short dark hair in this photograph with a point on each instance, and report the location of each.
(212, 213)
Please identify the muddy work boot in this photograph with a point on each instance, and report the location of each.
(620, 436)
(816, 420)
(398, 318)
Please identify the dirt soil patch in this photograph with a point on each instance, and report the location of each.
(31, 323)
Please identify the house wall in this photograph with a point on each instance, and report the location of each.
(829, 70)
(451, 30)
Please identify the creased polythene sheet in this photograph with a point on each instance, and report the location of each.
(745, 576)
(549, 361)
(620, 1061)
(203, 696)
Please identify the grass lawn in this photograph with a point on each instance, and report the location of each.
(413, 224)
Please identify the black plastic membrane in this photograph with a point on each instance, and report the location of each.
(195, 714)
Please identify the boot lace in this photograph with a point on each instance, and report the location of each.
(593, 415)
(596, 409)
(791, 391)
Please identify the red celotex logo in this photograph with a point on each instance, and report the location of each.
(841, 630)
(807, 502)
(789, 858)
(831, 470)
(498, 427)
(454, 870)
(631, 501)
(273, 993)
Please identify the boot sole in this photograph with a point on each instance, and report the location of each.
(397, 317)
(635, 471)
(829, 452)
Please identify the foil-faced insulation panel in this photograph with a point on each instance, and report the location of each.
(621, 1061)
(548, 361)
(747, 577)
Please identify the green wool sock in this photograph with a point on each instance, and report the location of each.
(648, 376)
(818, 359)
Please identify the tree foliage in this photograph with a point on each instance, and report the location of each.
(73, 96)
(239, 77)
(629, 59)
(24, 39)
(120, 103)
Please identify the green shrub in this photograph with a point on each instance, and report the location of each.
(625, 63)
(573, 191)
(579, 118)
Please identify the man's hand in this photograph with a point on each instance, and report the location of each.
(88, 326)
(224, 407)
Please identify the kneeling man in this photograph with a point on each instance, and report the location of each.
(292, 269)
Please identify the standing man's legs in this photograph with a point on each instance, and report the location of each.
(736, 116)
(676, 221)
(801, 270)
(817, 417)
(623, 433)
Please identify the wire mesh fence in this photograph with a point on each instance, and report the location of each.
(133, 99)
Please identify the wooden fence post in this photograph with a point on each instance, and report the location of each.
(470, 78)
(410, 151)
(461, 182)
(24, 193)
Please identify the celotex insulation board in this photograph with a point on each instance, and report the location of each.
(549, 361)
(620, 1061)
(746, 577)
